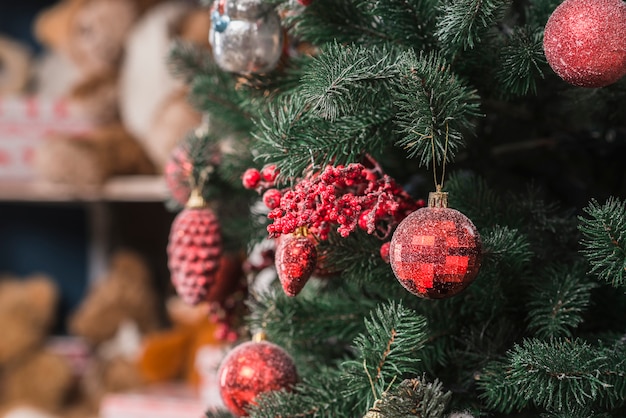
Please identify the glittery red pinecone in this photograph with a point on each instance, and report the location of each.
(194, 251)
(296, 259)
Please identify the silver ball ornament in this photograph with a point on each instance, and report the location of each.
(247, 37)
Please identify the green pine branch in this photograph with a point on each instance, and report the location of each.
(383, 353)
(434, 109)
(604, 240)
(521, 61)
(464, 24)
(386, 353)
(412, 398)
(558, 301)
(559, 375)
(344, 80)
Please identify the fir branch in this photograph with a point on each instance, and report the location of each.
(344, 80)
(604, 240)
(558, 300)
(558, 375)
(385, 351)
(343, 21)
(463, 24)
(521, 61)
(507, 248)
(471, 195)
(412, 398)
(218, 414)
(187, 60)
(303, 325)
(317, 396)
(434, 109)
(407, 22)
(296, 141)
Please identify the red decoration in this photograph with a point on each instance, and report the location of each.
(251, 178)
(271, 198)
(585, 41)
(347, 196)
(177, 173)
(253, 368)
(269, 173)
(305, 2)
(436, 251)
(384, 252)
(194, 250)
(296, 258)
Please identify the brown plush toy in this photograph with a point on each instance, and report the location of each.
(92, 34)
(120, 307)
(30, 373)
(120, 49)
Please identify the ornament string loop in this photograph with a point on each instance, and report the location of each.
(439, 184)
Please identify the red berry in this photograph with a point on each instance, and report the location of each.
(251, 178)
(384, 252)
(305, 2)
(271, 198)
(269, 173)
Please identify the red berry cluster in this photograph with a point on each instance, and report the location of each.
(255, 179)
(350, 196)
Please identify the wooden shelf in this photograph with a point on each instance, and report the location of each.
(118, 189)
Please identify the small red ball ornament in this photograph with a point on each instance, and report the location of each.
(296, 259)
(585, 41)
(435, 252)
(194, 250)
(253, 368)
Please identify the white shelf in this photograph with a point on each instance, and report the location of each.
(118, 189)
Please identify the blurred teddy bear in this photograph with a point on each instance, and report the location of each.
(15, 63)
(120, 49)
(118, 309)
(31, 374)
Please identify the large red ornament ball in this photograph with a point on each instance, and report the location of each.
(253, 368)
(585, 41)
(295, 260)
(194, 251)
(435, 252)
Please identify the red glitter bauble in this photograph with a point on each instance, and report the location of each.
(253, 368)
(194, 250)
(585, 41)
(296, 258)
(435, 252)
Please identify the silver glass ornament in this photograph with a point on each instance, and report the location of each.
(250, 41)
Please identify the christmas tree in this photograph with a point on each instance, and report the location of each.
(328, 125)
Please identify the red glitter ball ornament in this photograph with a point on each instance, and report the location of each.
(194, 250)
(296, 259)
(585, 41)
(435, 252)
(253, 368)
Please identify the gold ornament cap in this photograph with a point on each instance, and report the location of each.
(438, 199)
(195, 201)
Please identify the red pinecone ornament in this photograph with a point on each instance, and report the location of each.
(253, 368)
(194, 251)
(296, 259)
(585, 41)
(435, 252)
